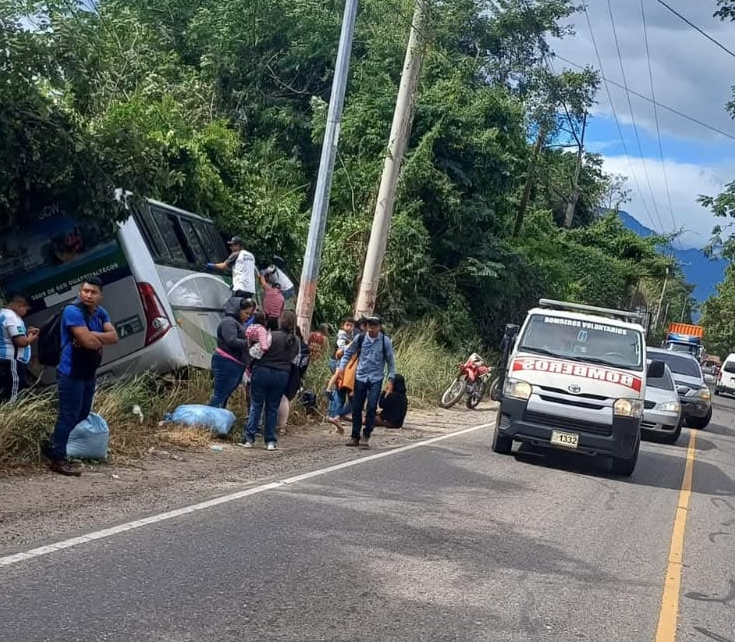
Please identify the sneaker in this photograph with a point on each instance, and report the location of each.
(353, 443)
(271, 446)
(246, 444)
(365, 444)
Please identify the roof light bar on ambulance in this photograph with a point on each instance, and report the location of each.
(623, 315)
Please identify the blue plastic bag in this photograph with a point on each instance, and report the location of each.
(90, 439)
(218, 420)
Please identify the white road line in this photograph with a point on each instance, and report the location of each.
(225, 499)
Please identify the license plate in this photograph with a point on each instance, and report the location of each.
(565, 439)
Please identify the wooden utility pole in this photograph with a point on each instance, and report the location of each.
(399, 135)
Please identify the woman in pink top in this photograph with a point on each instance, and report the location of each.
(273, 302)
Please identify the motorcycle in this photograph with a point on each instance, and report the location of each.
(473, 378)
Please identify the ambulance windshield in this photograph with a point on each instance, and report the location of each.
(586, 341)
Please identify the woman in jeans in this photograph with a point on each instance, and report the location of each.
(269, 380)
(231, 356)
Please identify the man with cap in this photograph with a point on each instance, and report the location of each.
(242, 264)
(374, 351)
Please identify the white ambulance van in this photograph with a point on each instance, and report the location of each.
(574, 378)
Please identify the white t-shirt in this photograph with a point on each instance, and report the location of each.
(13, 326)
(243, 271)
(278, 277)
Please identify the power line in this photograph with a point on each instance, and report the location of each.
(655, 113)
(661, 105)
(632, 116)
(615, 113)
(702, 31)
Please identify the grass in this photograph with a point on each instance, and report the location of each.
(26, 425)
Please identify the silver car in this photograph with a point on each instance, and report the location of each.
(661, 409)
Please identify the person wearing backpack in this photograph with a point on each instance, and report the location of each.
(84, 330)
(375, 351)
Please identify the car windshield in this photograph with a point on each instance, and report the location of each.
(578, 340)
(663, 383)
(679, 364)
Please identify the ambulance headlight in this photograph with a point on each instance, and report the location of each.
(517, 389)
(628, 408)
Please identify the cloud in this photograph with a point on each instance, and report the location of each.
(686, 180)
(690, 73)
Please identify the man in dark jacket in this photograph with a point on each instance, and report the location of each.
(231, 356)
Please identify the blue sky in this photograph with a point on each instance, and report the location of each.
(690, 74)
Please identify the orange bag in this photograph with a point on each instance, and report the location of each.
(348, 379)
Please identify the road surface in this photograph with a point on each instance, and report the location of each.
(441, 542)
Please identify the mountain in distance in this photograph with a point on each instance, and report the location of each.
(700, 271)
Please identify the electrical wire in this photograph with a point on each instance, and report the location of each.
(632, 116)
(699, 29)
(655, 113)
(661, 105)
(615, 113)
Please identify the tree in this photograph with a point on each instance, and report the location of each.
(718, 316)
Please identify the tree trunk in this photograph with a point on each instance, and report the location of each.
(523, 206)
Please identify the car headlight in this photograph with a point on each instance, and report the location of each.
(628, 408)
(701, 393)
(517, 389)
(669, 406)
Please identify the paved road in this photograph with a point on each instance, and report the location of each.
(440, 543)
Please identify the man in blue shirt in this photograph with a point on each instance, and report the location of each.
(85, 329)
(374, 351)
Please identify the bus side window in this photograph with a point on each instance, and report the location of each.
(194, 241)
(151, 234)
(167, 226)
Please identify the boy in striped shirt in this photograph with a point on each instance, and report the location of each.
(15, 347)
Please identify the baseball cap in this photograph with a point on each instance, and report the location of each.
(374, 319)
(235, 240)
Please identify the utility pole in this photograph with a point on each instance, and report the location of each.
(523, 206)
(399, 134)
(320, 208)
(661, 301)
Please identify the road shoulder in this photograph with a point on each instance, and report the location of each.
(40, 507)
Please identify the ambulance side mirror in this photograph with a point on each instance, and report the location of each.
(657, 369)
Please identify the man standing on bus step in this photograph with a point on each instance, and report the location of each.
(242, 264)
(85, 330)
(15, 347)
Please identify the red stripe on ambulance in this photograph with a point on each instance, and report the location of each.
(579, 370)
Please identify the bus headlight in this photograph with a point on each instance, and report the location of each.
(628, 408)
(517, 389)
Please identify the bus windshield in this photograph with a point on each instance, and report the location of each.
(578, 340)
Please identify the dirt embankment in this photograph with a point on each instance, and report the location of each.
(40, 506)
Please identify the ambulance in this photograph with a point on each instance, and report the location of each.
(574, 378)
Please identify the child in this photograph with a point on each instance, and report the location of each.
(344, 338)
(259, 337)
(340, 403)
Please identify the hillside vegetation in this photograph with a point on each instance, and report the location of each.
(219, 107)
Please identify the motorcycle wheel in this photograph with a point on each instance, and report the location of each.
(476, 394)
(453, 394)
(495, 389)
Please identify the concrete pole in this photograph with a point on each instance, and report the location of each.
(661, 302)
(320, 208)
(399, 134)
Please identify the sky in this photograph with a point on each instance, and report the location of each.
(690, 74)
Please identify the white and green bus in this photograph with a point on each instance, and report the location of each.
(162, 302)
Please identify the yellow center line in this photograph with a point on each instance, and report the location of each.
(668, 615)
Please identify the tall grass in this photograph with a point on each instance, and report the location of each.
(26, 425)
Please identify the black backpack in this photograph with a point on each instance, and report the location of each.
(49, 339)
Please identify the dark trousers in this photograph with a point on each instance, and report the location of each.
(370, 392)
(267, 386)
(75, 404)
(227, 375)
(243, 294)
(12, 379)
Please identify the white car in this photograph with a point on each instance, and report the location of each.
(662, 409)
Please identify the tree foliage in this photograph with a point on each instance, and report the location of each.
(219, 107)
